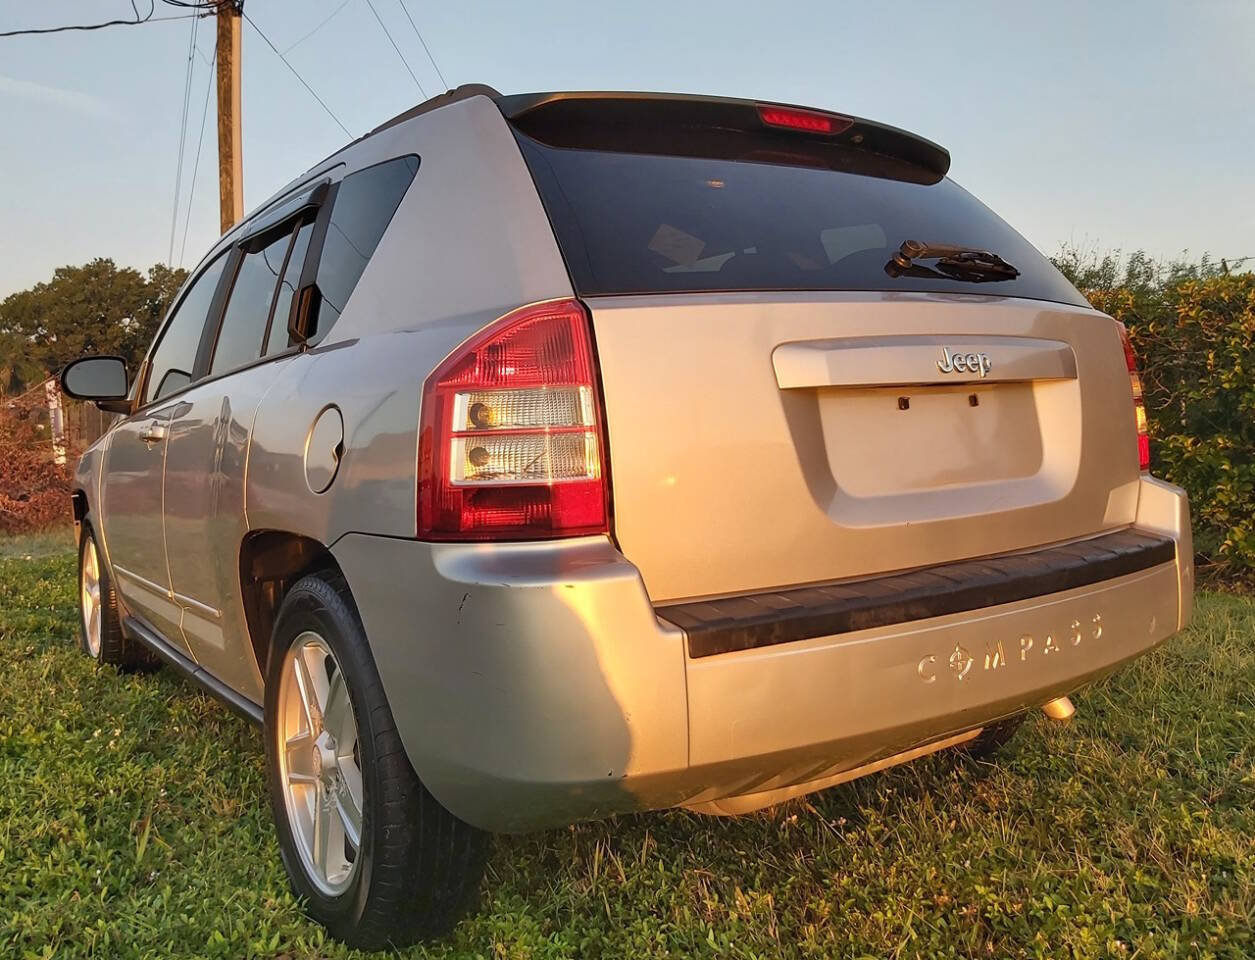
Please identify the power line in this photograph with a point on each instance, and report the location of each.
(418, 34)
(388, 34)
(178, 168)
(191, 191)
(295, 74)
(108, 23)
(322, 23)
(152, 7)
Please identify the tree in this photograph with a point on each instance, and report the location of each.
(16, 367)
(94, 308)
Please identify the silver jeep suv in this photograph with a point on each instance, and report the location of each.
(544, 457)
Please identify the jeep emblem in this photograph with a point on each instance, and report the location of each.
(964, 362)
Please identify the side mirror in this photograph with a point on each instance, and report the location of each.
(101, 380)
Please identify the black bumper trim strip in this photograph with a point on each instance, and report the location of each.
(782, 616)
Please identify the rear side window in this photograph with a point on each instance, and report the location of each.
(364, 205)
(175, 355)
(640, 223)
(248, 307)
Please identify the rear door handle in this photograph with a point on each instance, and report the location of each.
(153, 433)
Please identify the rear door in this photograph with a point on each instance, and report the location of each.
(784, 405)
(325, 236)
(205, 518)
(134, 463)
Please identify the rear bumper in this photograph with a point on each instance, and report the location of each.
(534, 685)
(782, 616)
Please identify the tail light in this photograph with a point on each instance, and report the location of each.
(512, 445)
(1139, 402)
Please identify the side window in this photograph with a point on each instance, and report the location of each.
(277, 337)
(248, 306)
(364, 206)
(175, 355)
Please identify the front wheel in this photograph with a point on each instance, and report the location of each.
(376, 858)
(100, 624)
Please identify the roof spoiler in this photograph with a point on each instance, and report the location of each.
(559, 117)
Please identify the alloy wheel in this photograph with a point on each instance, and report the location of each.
(89, 597)
(319, 764)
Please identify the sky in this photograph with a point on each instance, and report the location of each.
(1105, 125)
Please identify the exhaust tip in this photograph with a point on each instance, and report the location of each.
(1060, 709)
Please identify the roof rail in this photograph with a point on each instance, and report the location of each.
(463, 92)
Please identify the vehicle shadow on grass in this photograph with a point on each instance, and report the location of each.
(744, 848)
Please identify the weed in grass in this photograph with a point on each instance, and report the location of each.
(133, 823)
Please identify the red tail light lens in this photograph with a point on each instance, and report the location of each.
(511, 445)
(1139, 402)
(810, 121)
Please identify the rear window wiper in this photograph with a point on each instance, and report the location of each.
(955, 263)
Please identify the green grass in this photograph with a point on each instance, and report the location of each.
(32, 545)
(133, 823)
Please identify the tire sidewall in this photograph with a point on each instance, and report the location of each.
(314, 605)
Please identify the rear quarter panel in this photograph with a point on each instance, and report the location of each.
(469, 242)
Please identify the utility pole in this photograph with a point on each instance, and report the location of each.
(230, 156)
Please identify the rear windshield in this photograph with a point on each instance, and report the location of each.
(638, 223)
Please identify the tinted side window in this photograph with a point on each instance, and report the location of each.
(248, 307)
(277, 339)
(172, 361)
(363, 209)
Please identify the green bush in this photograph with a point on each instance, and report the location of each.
(1193, 328)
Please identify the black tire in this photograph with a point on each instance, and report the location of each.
(418, 867)
(116, 649)
(994, 737)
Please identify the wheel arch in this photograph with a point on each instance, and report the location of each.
(271, 561)
(79, 507)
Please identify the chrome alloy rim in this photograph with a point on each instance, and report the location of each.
(319, 764)
(89, 598)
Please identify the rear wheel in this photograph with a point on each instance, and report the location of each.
(378, 861)
(100, 633)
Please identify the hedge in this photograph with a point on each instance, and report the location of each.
(34, 491)
(1193, 329)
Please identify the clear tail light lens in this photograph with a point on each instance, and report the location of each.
(511, 444)
(1139, 401)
